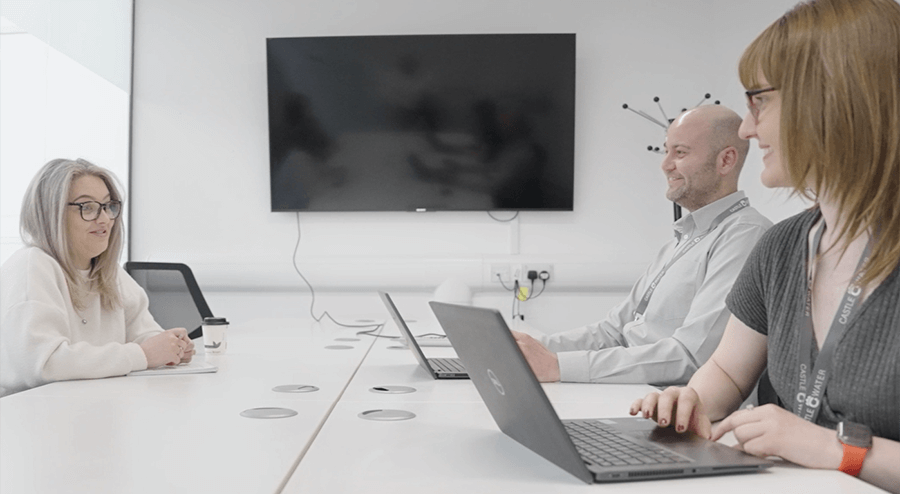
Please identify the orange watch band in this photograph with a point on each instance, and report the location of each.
(852, 461)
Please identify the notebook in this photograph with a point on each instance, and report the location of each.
(192, 367)
(521, 409)
(439, 368)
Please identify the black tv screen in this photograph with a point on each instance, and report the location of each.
(422, 122)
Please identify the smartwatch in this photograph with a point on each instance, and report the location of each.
(857, 439)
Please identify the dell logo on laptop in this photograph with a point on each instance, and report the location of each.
(493, 378)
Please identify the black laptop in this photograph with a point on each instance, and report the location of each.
(439, 368)
(594, 450)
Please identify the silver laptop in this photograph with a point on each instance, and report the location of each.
(439, 368)
(594, 450)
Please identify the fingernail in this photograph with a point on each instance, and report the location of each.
(680, 428)
(663, 422)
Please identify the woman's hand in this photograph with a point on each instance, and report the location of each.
(676, 406)
(168, 348)
(188, 351)
(770, 430)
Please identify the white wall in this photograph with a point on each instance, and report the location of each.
(65, 72)
(200, 150)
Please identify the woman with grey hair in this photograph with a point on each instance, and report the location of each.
(68, 310)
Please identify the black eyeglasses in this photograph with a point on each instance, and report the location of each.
(755, 104)
(90, 210)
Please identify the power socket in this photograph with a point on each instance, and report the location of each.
(537, 267)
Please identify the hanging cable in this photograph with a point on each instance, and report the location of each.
(543, 286)
(502, 221)
(313, 292)
(513, 309)
(503, 284)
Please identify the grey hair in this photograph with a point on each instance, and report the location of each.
(42, 224)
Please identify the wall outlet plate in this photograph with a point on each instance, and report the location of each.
(508, 273)
(500, 272)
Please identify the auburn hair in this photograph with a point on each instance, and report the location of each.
(836, 64)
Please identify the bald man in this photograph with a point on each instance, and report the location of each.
(675, 314)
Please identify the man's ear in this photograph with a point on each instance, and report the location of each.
(726, 160)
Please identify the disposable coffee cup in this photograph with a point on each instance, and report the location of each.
(214, 335)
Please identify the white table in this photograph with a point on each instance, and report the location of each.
(184, 433)
(179, 433)
(453, 444)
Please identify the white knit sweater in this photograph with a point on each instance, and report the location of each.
(44, 339)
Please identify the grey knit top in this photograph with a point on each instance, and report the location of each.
(769, 295)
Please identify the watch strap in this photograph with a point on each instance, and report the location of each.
(852, 462)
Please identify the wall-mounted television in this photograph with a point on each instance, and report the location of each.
(461, 122)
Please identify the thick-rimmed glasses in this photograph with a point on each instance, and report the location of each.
(754, 103)
(90, 210)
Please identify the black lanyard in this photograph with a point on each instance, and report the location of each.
(811, 387)
(642, 305)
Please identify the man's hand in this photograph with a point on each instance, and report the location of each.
(543, 362)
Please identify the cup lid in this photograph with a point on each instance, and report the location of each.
(215, 320)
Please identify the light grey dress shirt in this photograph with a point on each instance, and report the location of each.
(686, 315)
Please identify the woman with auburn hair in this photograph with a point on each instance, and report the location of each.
(68, 310)
(817, 304)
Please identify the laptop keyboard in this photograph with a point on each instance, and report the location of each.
(607, 446)
(447, 364)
